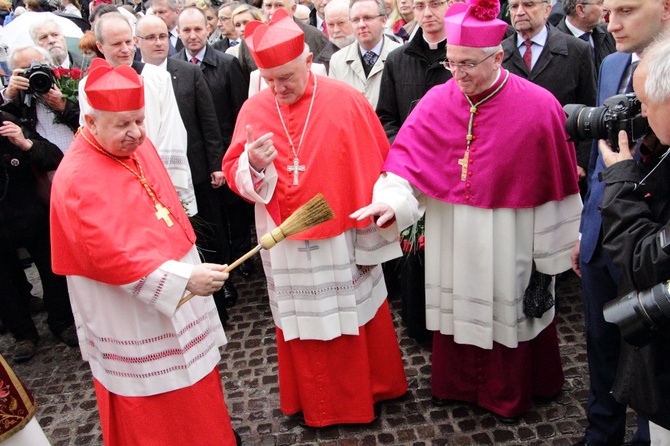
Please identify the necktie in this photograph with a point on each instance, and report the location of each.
(233, 42)
(629, 86)
(195, 60)
(324, 28)
(370, 58)
(586, 37)
(528, 55)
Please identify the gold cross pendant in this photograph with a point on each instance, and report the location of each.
(163, 213)
(463, 162)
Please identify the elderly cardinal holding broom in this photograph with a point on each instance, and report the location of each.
(337, 349)
(122, 238)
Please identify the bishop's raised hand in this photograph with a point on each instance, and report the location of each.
(261, 151)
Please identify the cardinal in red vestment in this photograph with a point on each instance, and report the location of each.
(122, 238)
(337, 349)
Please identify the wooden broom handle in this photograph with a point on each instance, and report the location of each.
(230, 267)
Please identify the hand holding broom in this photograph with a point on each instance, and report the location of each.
(308, 215)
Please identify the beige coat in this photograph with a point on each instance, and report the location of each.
(346, 65)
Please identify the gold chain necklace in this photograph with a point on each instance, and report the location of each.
(296, 167)
(162, 213)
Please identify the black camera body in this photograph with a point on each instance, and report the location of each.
(40, 78)
(620, 112)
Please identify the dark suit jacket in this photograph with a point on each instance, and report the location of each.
(603, 42)
(612, 70)
(227, 84)
(565, 68)
(196, 107)
(314, 39)
(222, 44)
(324, 56)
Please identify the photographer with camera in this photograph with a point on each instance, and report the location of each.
(634, 24)
(34, 98)
(636, 217)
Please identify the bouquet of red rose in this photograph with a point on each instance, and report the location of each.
(67, 81)
(412, 238)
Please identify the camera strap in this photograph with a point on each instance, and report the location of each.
(663, 157)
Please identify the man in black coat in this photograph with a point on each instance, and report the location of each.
(229, 35)
(25, 161)
(204, 147)
(560, 63)
(585, 21)
(229, 90)
(635, 216)
(414, 68)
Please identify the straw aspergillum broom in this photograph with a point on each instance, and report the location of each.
(308, 215)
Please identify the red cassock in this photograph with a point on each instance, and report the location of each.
(333, 381)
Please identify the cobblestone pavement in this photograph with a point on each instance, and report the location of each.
(63, 386)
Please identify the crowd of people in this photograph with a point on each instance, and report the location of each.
(136, 166)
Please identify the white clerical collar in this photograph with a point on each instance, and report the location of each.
(538, 39)
(434, 45)
(377, 49)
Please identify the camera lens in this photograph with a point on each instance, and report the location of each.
(585, 122)
(40, 82)
(640, 315)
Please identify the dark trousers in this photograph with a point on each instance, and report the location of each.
(606, 416)
(208, 226)
(14, 299)
(238, 216)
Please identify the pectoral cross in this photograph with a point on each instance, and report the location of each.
(295, 168)
(163, 213)
(463, 162)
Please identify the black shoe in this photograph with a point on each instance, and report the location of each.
(69, 336)
(26, 349)
(36, 305)
(246, 269)
(229, 294)
(238, 440)
(507, 420)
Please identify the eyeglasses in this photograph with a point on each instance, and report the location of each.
(365, 19)
(514, 7)
(464, 67)
(432, 5)
(153, 38)
(223, 19)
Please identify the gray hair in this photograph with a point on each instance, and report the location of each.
(381, 5)
(22, 48)
(570, 6)
(337, 6)
(491, 50)
(657, 59)
(171, 4)
(304, 54)
(35, 27)
(110, 17)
